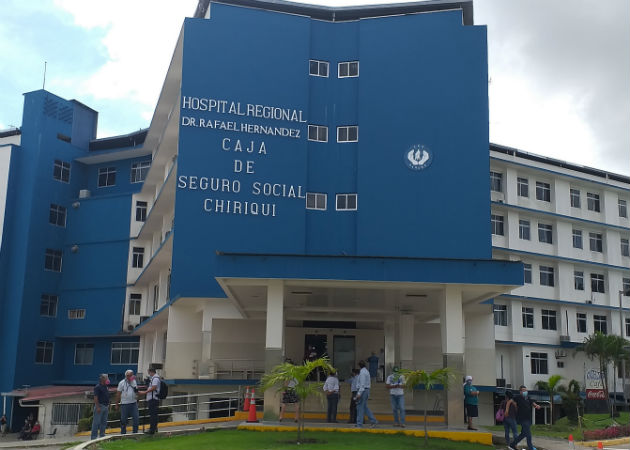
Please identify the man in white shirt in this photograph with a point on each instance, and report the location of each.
(395, 383)
(127, 397)
(363, 393)
(153, 401)
(331, 388)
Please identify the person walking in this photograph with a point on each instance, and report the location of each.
(396, 383)
(289, 397)
(471, 401)
(127, 397)
(509, 417)
(363, 394)
(101, 407)
(153, 400)
(331, 388)
(524, 406)
(354, 380)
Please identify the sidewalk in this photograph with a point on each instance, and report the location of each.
(542, 443)
(11, 441)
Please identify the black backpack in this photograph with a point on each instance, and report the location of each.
(163, 392)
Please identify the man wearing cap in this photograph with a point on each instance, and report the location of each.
(471, 401)
(127, 396)
(395, 383)
(101, 407)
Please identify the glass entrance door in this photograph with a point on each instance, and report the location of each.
(343, 355)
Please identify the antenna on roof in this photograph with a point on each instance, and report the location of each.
(44, 83)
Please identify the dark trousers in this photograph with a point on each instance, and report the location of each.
(153, 415)
(333, 399)
(526, 432)
(353, 408)
(509, 425)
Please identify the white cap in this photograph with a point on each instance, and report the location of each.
(468, 378)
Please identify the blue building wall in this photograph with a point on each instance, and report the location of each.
(92, 278)
(422, 81)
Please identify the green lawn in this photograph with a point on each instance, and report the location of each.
(246, 440)
(562, 428)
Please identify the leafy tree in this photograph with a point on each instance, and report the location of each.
(571, 400)
(284, 373)
(551, 386)
(414, 378)
(618, 355)
(597, 346)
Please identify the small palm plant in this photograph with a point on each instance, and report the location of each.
(283, 374)
(429, 380)
(552, 387)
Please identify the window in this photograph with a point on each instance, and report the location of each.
(496, 181)
(348, 69)
(76, 314)
(156, 297)
(543, 191)
(539, 363)
(348, 133)
(139, 171)
(53, 260)
(317, 133)
(125, 352)
(44, 352)
(549, 319)
(141, 211)
(48, 305)
(577, 238)
(137, 257)
(497, 224)
(545, 233)
(522, 187)
(599, 323)
(346, 202)
(523, 229)
(500, 315)
(623, 208)
(625, 247)
(528, 317)
(560, 364)
(106, 177)
(135, 303)
(575, 198)
(83, 354)
(581, 322)
(627, 321)
(527, 275)
(592, 201)
(66, 413)
(318, 68)
(597, 283)
(546, 276)
(625, 286)
(315, 200)
(57, 215)
(578, 280)
(595, 242)
(61, 171)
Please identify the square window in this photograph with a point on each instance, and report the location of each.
(528, 317)
(496, 224)
(53, 260)
(625, 286)
(596, 242)
(577, 238)
(522, 187)
(135, 304)
(625, 247)
(61, 171)
(597, 283)
(348, 69)
(600, 324)
(137, 257)
(141, 211)
(139, 171)
(317, 133)
(623, 208)
(578, 280)
(545, 233)
(346, 202)
(543, 191)
(539, 363)
(581, 322)
(546, 276)
(500, 315)
(348, 134)
(48, 305)
(592, 202)
(523, 229)
(125, 353)
(549, 319)
(527, 274)
(57, 215)
(318, 68)
(575, 198)
(44, 352)
(83, 354)
(106, 177)
(316, 200)
(496, 181)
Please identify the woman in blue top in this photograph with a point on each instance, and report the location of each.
(471, 400)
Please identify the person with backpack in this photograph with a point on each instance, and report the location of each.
(153, 400)
(507, 414)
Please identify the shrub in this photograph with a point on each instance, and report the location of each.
(607, 433)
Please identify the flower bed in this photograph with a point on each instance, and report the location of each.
(607, 433)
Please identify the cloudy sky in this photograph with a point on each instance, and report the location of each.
(559, 69)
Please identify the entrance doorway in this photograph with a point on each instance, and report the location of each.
(343, 355)
(315, 346)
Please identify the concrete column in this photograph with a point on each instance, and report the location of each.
(406, 340)
(183, 345)
(206, 335)
(451, 328)
(389, 327)
(274, 342)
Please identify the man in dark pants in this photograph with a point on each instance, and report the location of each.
(152, 401)
(524, 417)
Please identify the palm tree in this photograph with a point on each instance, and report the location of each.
(571, 400)
(284, 373)
(596, 346)
(618, 355)
(414, 378)
(551, 386)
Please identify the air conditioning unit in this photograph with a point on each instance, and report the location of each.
(589, 302)
(143, 318)
(130, 327)
(565, 338)
(84, 193)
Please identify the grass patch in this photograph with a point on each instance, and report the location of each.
(70, 444)
(245, 440)
(562, 428)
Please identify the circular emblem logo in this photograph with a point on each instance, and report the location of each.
(418, 157)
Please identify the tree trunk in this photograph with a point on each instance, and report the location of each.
(426, 406)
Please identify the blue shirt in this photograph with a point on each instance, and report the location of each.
(102, 393)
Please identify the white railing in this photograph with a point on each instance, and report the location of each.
(230, 368)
